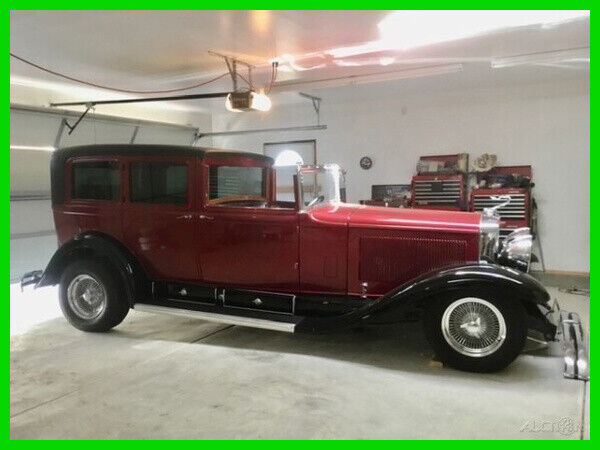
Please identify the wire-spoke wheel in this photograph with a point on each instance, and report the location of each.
(86, 296)
(473, 327)
(476, 329)
(92, 295)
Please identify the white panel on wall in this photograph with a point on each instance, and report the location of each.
(148, 134)
(29, 171)
(92, 131)
(31, 128)
(30, 216)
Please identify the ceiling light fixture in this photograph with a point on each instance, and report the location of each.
(247, 101)
(576, 55)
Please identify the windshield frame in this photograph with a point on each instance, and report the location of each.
(304, 171)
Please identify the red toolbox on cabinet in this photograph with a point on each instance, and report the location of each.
(439, 191)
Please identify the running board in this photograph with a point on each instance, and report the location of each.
(265, 324)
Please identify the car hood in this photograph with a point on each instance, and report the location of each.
(363, 216)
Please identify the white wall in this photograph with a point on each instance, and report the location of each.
(546, 126)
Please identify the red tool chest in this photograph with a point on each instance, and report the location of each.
(439, 191)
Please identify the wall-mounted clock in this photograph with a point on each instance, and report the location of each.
(366, 162)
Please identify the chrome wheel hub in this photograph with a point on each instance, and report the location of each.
(473, 327)
(86, 296)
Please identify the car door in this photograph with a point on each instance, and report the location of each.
(158, 218)
(245, 244)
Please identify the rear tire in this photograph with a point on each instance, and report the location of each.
(92, 296)
(476, 330)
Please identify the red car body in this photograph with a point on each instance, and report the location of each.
(329, 249)
(200, 233)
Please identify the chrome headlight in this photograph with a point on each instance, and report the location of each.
(516, 249)
(489, 234)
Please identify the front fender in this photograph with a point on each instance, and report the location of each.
(412, 294)
(477, 274)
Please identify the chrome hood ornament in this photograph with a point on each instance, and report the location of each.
(493, 210)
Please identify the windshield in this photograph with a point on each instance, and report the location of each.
(319, 185)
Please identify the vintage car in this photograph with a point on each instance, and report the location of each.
(199, 233)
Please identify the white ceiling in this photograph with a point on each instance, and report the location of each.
(153, 50)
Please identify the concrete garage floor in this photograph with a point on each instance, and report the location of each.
(166, 377)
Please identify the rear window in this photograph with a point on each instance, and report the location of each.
(159, 182)
(95, 181)
(235, 181)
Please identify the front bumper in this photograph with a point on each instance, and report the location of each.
(569, 332)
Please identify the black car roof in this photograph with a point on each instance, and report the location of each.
(149, 150)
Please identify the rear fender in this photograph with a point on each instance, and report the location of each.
(99, 246)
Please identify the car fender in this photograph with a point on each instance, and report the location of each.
(99, 246)
(476, 274)
(411, 296)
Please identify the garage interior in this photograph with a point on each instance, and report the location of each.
(390, 96)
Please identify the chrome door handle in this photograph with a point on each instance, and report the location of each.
(204, 217)
(186, 216)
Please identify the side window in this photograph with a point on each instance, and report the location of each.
(236, 181)
(159, 182)
(95, 181)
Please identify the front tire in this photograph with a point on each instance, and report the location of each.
(92, 296)
(476, 330)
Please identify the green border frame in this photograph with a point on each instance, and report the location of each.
(465, 4)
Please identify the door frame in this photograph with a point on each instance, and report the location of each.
(297, 141)
(294, 185)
